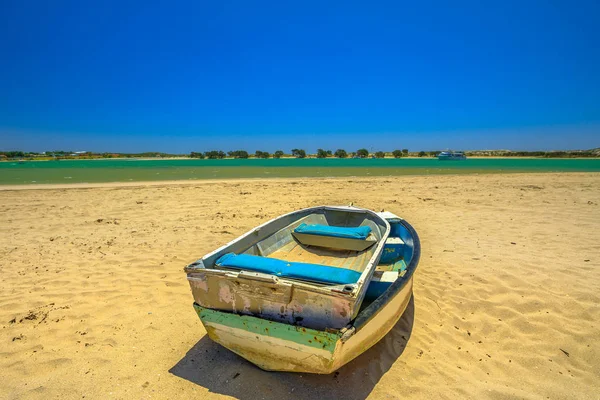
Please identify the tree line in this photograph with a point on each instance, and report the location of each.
(364, 153)
(297, 153)
(68, 154)
(218, 154)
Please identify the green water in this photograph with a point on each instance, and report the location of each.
(88, 171)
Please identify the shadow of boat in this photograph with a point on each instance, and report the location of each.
(221, 371)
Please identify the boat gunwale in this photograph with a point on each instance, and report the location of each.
(372, 309)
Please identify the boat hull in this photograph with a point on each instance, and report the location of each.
(275, 346)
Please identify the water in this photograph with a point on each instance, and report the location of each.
(88, 171)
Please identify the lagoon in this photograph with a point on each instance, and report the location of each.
(135, 170)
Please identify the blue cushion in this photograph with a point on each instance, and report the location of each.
(360, 232)
(298, 270)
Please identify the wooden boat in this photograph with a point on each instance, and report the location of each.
(280, 346)
(309, 268)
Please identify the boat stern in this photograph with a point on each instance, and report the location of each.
(270, 345)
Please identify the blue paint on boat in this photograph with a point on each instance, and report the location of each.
(395, 252)
(392, 251)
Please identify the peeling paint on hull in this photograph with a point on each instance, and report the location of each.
(275, 346)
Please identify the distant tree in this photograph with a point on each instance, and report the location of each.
(321, 153)
(362, 153)
(340, 153)
(238, 154)
(298, 153)
(329, 153)
(214, 154)
(379, 154)
(278, 154)
(352, 154)
(14, 154)
(397, 153)
(421, 153)
(261, 154)
(193, 154)
(405, 152)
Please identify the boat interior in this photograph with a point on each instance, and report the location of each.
(312, 246)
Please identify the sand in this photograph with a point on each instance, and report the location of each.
(94, 302)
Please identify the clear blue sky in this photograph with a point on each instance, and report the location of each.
(180, 77)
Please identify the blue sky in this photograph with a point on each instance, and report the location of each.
(195, 76)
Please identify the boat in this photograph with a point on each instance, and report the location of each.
(310, 267)
(452, 155)
(294, 347)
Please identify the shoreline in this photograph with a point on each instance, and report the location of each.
(136, 184)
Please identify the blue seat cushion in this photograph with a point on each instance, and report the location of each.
(360, 232)
(286, 269)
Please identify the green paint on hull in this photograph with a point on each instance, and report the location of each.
(399, 266)
(297, 334)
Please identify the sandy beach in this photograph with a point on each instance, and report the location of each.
(94, 302)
